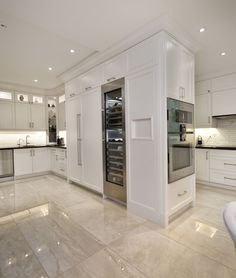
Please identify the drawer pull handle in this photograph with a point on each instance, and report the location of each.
(232, 179)
(231, 164)
(182, 194)
(88, 88)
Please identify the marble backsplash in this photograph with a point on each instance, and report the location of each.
(224, 133)
(10, 139)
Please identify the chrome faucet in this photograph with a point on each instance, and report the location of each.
(26, 140)
(20, 140)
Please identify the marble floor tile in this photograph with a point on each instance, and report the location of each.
(17, 259)
(105, 220)
(158, 256)
(58, 247)
(104, 264)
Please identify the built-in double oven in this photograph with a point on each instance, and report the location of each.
(181, 140)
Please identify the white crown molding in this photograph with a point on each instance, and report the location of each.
(216, 74)
(163, 23)
(32, 90)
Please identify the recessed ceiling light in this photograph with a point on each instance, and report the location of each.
(203, 29)
(35, 80)
(72, 51)
(223, 53)
(50, 68)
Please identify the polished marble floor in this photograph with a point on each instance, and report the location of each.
(49, 228)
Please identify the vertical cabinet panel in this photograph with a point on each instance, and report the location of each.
(73, 110)
(203, 111)
(41, 160)
(92, 139)
(7, 115)
(203, 165)
(23, 162)
(22, 115)
(37, 116)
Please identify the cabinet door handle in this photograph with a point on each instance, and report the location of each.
(232, 179)
(181, 92)
(29, 124)
(110, 79)
(230, 164)
(207, 155)
(56, 157)
(88, 88)
(209, 119)
(79, 151)
(182, 194)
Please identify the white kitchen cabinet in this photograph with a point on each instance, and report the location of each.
(226, 82)
(23, 163)
(203, 164)
(59, 161)
(74, 142)
(37, 116)
(7, 119)
(22, 116)
(92, 78)
(115, 68)
(203, 113)
(143, 55)
(31, 161)
(203, 87)
(179, 72)
(61, 116)
(73, 87)
(223, 103)
(92, 162)
(41, 160)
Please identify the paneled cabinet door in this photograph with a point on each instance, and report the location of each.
(179, 72)
(92, 140)
(92, 78)
(22, 115)
(203, 165)
(7, 115)
(61, 116)
(223, 103)
(37, 116)
(41, 160)
(203, 111)
(23, 162)
(115, 68)
(74, 142)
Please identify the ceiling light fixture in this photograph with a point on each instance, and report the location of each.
(35, 80)
(72, 51)
(50, 68)
(203, 29)
(223, 53)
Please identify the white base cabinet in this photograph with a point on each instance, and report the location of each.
(59, 161)
(31, 161)
(203, 164)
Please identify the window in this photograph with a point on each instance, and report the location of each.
(62, 98)
(5, 95)
(22, 98)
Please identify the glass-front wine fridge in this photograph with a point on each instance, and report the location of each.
(114, 140)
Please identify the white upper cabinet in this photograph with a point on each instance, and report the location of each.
(203, 113)
(223, 103)
(29, 112)
(203, 87)
(7, 119)
(179, 72)
(203, 165)
(73, 87)
(143, 55)
(92, 78)
(22, 115)
(224, 82)
(115, 68)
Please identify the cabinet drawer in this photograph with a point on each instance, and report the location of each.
(180, 193)
(223, 177)
(228, 164)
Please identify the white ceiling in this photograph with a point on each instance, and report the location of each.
(40, 33)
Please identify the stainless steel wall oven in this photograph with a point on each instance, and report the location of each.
(180, 116)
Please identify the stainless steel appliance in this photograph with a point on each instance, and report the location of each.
(180, 116)
(114, 140)
(6, 165)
